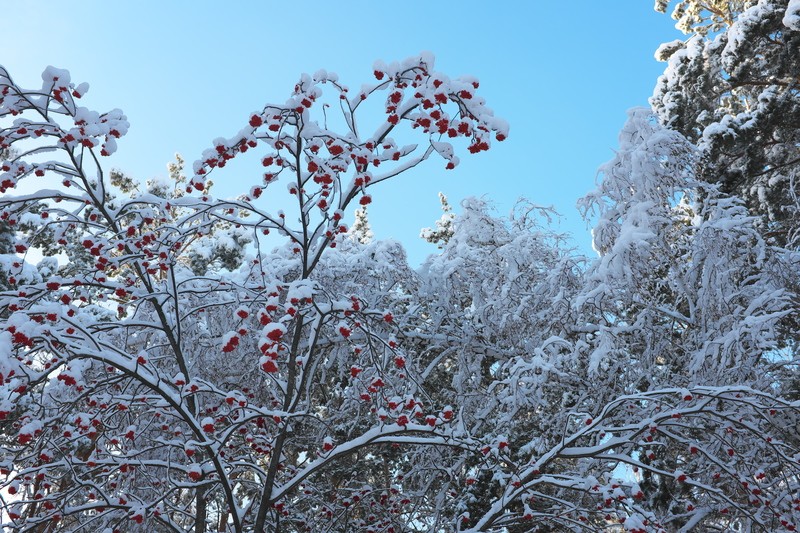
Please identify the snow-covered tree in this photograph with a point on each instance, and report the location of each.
(143, 387)
(154, 379)
(685, 296)
(6, 240)
(732, 88)
(441, 234)
(361, 230)
(647, 388)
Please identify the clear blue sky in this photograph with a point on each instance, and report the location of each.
(562, 73)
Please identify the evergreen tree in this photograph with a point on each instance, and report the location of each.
(440, 235)
(361, 230)
(733, 88)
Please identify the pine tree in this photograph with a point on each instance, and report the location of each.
(361, 230)
(732, 88)
(444, 226)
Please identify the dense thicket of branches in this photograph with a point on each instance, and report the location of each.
(161, 369)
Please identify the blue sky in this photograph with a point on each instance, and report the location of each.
(185, 72)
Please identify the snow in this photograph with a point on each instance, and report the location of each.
(791, 18)
(54, 76)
